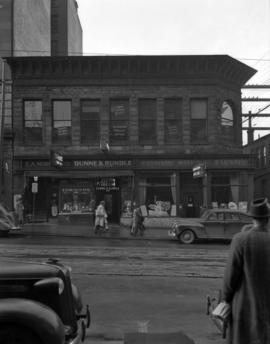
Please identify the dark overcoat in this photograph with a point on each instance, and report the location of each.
(247, 287)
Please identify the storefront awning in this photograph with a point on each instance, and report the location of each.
(79, 174)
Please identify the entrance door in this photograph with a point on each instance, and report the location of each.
(108, 190)
(111, 204)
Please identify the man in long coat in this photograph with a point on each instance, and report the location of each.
(246, 284)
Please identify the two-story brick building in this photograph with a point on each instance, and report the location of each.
(129, 127)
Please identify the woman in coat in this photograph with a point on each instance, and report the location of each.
(246, 283)
(101, 217)
(137, 221)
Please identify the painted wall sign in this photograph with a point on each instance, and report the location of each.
(102, 163)
(176, 164)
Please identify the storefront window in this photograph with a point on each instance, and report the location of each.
(76, 199)
(158, 194)
(229, 191)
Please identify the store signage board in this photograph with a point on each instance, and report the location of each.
(34, 187)
(198, 170)
(29, 164)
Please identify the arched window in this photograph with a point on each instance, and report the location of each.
(226, 115)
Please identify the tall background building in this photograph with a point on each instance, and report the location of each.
(31, 28)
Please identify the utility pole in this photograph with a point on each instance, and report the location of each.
(2, 124)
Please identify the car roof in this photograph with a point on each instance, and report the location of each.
(26, 270)
(226, 210)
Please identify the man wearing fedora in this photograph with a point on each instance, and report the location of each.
(246, 284)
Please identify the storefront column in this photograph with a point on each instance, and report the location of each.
(177, 185)
(206, 189)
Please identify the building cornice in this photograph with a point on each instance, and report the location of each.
(110, 69)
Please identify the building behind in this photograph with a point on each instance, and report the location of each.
(260, 149)
(33, 28)
(40, 28)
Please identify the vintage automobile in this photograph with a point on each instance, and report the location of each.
(39, 304)
(213, 224)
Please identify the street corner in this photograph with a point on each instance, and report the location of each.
(157, 338)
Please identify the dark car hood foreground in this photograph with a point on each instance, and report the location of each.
(18, 269)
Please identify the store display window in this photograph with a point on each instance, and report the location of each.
(158, 194)
(229, 191)
(76, 199)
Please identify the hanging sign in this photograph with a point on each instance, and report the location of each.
(198, 170)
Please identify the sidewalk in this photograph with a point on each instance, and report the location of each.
(115, 231)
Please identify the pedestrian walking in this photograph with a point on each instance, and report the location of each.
(137, 221)
(101, 221)
(19, 209)
(246, 285)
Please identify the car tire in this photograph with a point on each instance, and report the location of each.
(13, 334)
(187, 236)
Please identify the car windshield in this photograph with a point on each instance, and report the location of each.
(206, 214)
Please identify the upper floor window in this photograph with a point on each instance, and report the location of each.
(32, 121)
(226, 115)
(61, 121)
(147, 121)
(90, 121)
(119, 120)
(227, 119)
(198, 121)
(173, 120)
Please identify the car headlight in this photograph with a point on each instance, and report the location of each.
(61, 286)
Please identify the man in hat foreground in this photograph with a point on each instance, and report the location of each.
(246, 284)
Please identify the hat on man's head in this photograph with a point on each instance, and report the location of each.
(259, 208)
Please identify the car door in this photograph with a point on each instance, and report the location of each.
(233, 224)
(214, 225)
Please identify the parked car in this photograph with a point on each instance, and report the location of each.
(213, 224)
(39, 304)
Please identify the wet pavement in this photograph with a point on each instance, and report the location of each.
(140, 290)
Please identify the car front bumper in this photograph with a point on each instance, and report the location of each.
(171, 233)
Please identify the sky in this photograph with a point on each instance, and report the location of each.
(239, 28)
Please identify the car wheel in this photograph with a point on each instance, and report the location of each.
(17, 335)
(187, 236)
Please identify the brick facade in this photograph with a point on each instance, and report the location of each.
(214, 78)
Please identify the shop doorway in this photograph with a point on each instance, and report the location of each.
(191, 195)
(108, 190)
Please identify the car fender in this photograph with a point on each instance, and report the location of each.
(32, 314)
(197, 228)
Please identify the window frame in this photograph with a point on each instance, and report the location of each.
(96, 140)
(25, 140)
(193, 139)
(54, 128)
(176, 121)
(150, 122)
(125, 120)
